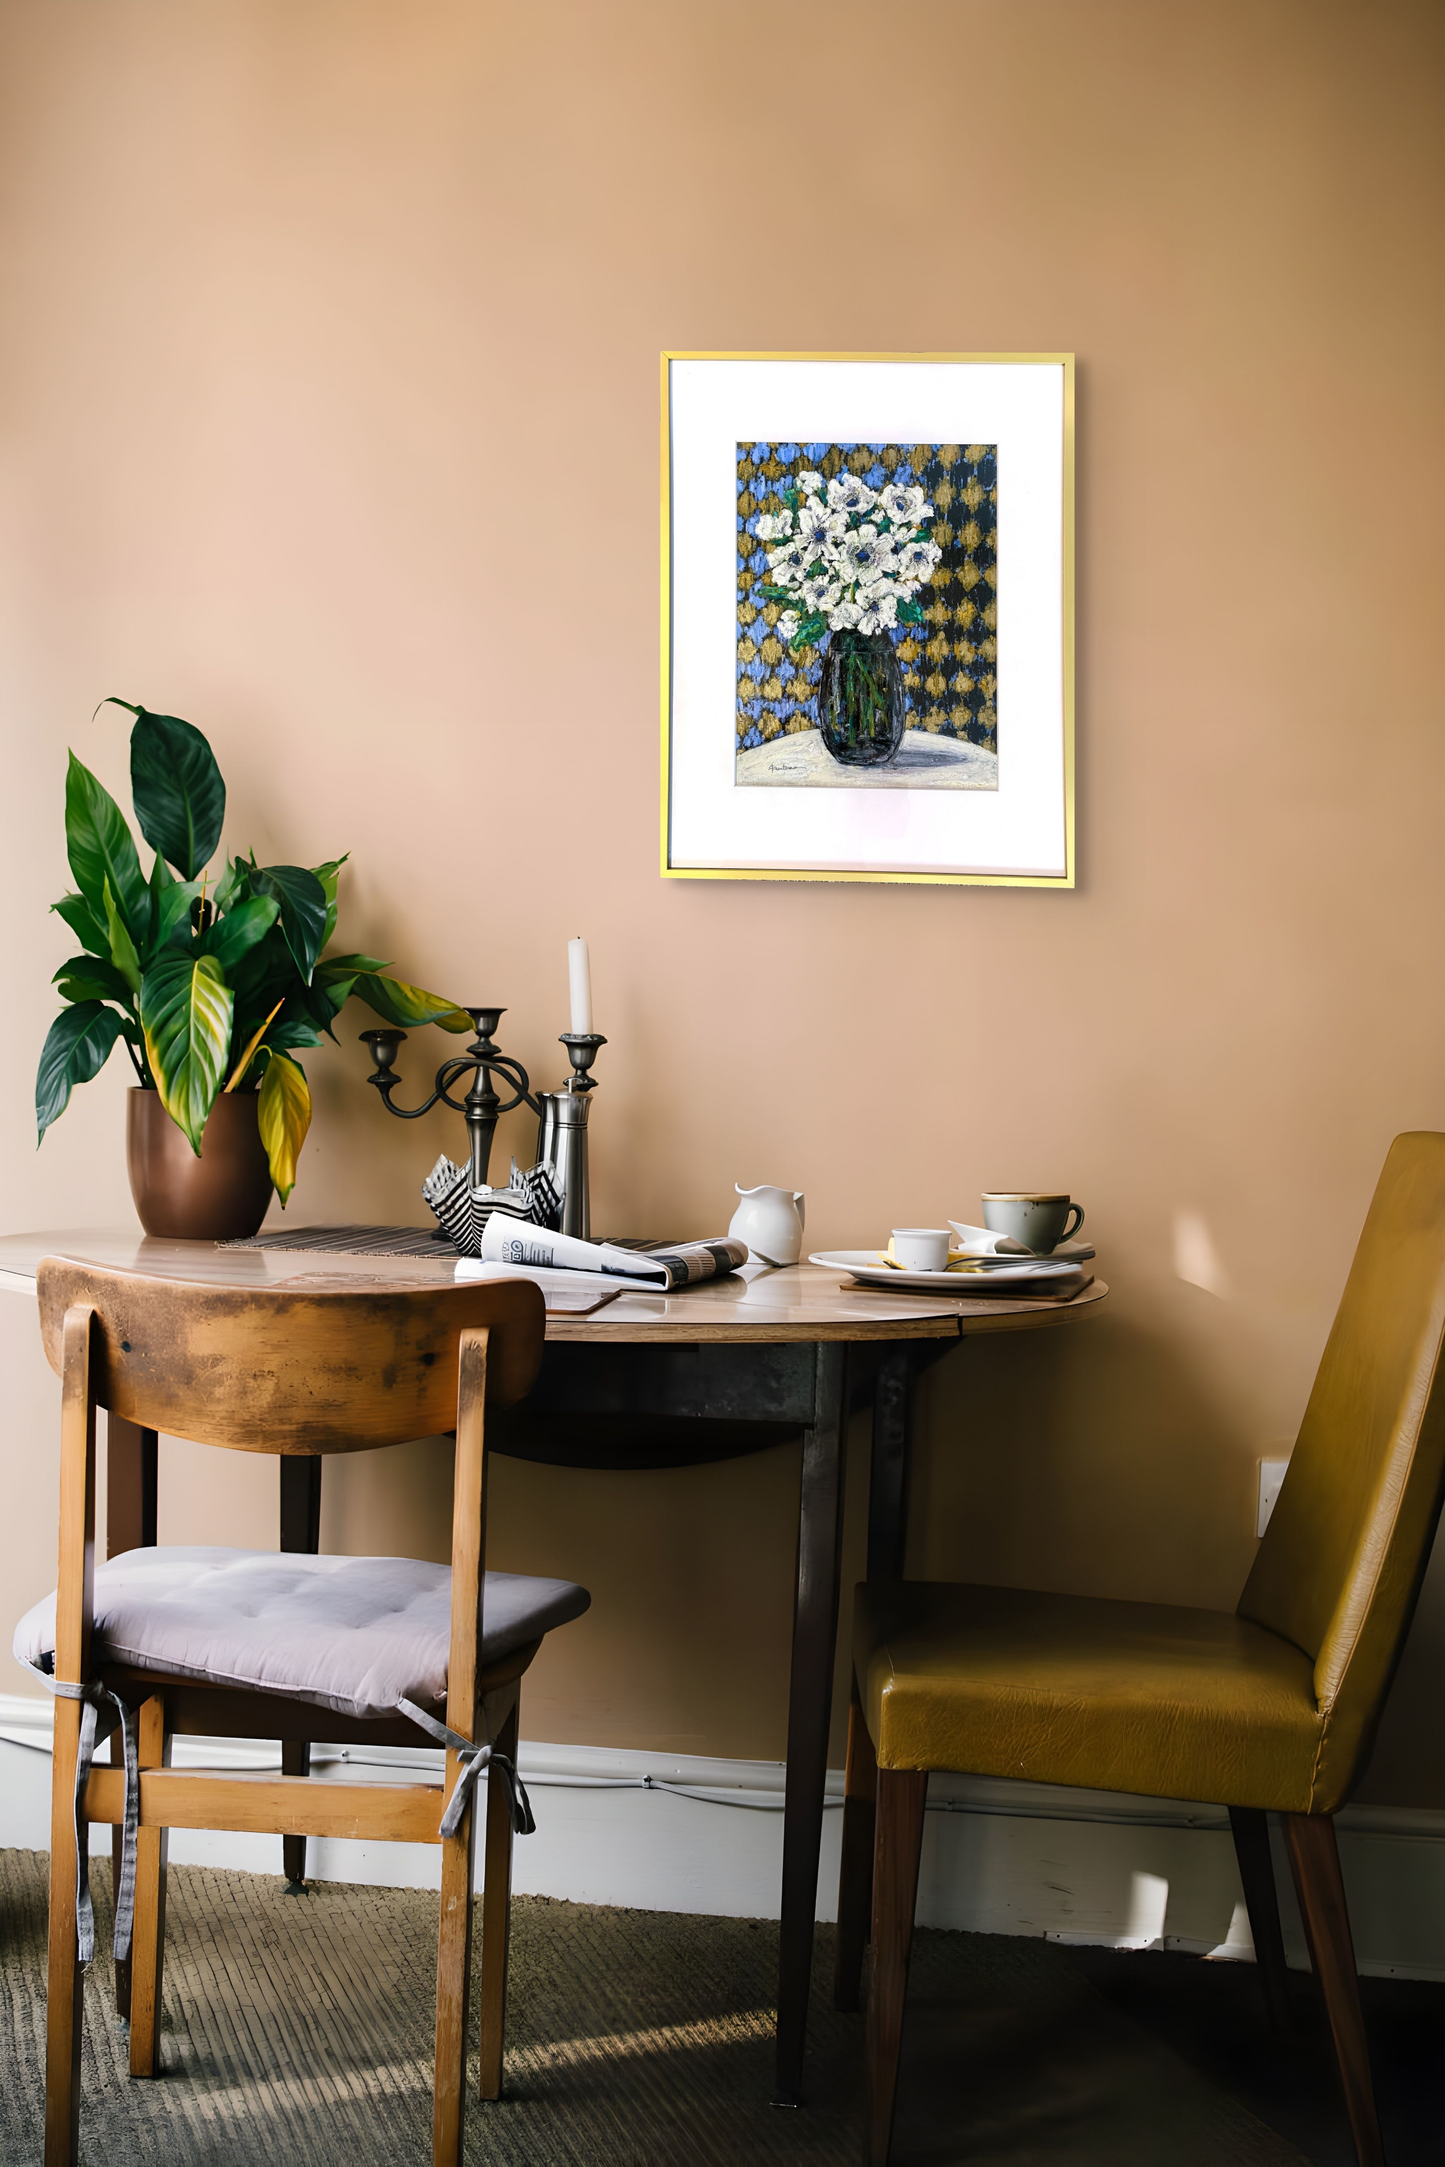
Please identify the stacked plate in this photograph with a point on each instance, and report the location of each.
(983, 1271)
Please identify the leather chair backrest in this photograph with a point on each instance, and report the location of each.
(1341, 1563)
(290, 1368)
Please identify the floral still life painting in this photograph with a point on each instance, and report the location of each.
(867, 615)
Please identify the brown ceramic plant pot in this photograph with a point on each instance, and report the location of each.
(216, 1197)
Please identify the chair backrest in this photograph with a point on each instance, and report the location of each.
(269, 1369)
(1340, 1566)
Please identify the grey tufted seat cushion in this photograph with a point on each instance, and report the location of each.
(356, 1635)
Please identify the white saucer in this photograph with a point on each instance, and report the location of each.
(1001, 1278)
(977, 1241)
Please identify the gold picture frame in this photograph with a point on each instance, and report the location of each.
(685, 852)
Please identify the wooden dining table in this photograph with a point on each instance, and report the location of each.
(650, 1379)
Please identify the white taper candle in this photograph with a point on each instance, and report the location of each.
(579, 980)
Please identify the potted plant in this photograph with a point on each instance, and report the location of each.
(212, 986)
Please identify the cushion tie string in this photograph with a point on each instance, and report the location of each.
(474, 1759)
(91, 1697)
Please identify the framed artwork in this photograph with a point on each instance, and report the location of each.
(867, 617)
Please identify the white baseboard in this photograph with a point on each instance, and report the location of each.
(682, 1833)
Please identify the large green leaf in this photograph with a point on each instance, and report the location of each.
(176, 788)
(329, 876)
(173, 915)
(161, 879)
(293, 1030)
(237, 933)
(347, 966)
(87, 925)
(186, 1009)
(302, 899)
(91, 978)
(76, 1048)
(122, 947)
(397, 1002)
(233, 886)
(101, 848)
(283, 1115)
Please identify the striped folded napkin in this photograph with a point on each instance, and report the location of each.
(463, 1211)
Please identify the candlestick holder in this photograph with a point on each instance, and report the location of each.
(562, 1115)
(562, 1134)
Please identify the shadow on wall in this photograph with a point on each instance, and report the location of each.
(1088, 1461)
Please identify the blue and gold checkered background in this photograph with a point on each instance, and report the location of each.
(950, 661)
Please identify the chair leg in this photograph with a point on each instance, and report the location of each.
(1315, 1861)
(295, 1761)
(1261, 1899)
(148, 1934)
(63, 2007)
(497, 1918)
(855, 1878)
(454, 1970)
(902, 1795)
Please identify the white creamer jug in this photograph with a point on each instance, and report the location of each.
(770, 1221)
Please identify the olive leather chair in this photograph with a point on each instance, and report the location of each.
(1270, 1709)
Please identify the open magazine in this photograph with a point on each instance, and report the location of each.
(506, 1240)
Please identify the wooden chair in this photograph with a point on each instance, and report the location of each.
(314, 1371)
(1270, 1709)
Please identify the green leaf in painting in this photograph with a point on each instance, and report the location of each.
(122, 947)
(237, 933)
(83, 922)
(397, 1002)
(910, 613)
(283, 1115)
(303, 910)
(186, 1012)
(809, 632)
(76, 1048)
(176, 788)
(101, 847)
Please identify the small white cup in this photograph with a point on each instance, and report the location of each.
(921, 1248)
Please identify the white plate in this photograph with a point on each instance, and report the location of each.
(1010, 1278)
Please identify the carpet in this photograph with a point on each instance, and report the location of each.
(298, 2033)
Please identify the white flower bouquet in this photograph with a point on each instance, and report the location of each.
(846, 557)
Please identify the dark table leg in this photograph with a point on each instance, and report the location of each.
(815, 1637)
(300, 1530)
(130, 1524)
(130, 1486)
(888, 1480)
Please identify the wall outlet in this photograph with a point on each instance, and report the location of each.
(1271, 1475)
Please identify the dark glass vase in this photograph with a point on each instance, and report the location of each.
(860, 700)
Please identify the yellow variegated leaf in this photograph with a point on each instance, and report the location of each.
(283, 1116)
(251, 1044)
(407, 1006)
(186, 1010)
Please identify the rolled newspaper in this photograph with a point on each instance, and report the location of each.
(508, 1239)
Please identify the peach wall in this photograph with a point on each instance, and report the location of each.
(328, 420)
